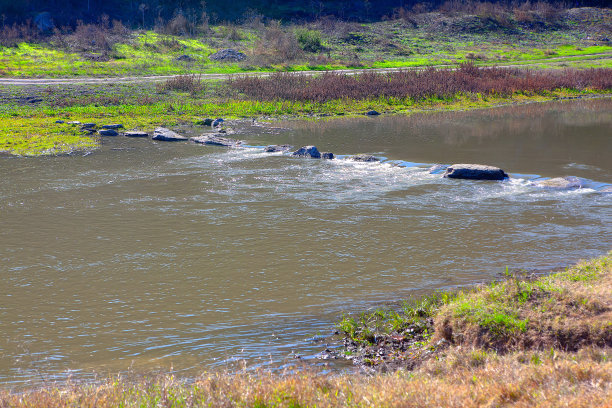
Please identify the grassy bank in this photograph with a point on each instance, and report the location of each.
(28, 114)
(521, 342)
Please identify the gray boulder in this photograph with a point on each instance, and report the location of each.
(136, 133)
(560, 183)
(217, 122)
(216, 140)
(113, 126)
(74, 122)
(307, 151)
(167, 135)
(475, 172)
(228, 54)
(364, 158)
(278, 148)
(107, 132)
(327, 155)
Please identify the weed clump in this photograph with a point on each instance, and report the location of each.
(182, 83)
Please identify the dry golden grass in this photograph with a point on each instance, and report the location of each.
(461, 375)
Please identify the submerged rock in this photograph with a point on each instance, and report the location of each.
(437, 168)
(215, 140)
(364, 158)
(113, 126)
(136, 133)
(107, 132)
(167, 135)
(560, 183)
(307, 151)
(606, 190)
(475, 172)
(278, 148)
(327, 155)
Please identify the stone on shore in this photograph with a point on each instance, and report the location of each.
(167, 135)
(327, 155)
(560, 183)
(88, 125)
(136, 133)
(364, 158)
(307, 151)
(215, 140)
(59, 121)
(204, 122)
(372, 113)
(107, 132)
(113, 126)
(475, 172)
(278, 148)
(217, 122)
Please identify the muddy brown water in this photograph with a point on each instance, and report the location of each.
(181, 257)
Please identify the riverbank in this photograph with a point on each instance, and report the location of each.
(28, 115)
(521, 342)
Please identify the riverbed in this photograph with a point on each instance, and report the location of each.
(178, 257)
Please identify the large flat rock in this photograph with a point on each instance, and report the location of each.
(167, 135)
(475, 172)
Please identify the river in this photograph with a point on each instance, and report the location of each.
(188, 258)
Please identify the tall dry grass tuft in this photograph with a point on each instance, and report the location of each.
(418, 85)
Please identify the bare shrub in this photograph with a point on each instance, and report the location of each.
(185, 83)
(10, 36)
(276, 46)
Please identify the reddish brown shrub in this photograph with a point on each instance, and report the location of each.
(418, 85)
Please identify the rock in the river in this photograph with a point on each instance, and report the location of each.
(437, 168)
(308, 151)
(107, 132)
(475, 172)
(113, 126)
(217, 122)
(167, 135)
(228, 54)
(560, 183)
(372, 113)
(216, 140)
(136, 133)
(606, 190)
(364, 158)
(278, 148)
(327, 155)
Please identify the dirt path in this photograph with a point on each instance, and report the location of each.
(157, 78)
